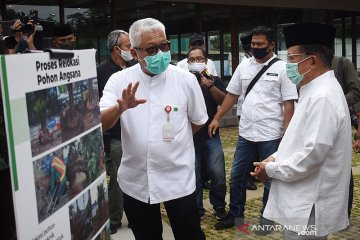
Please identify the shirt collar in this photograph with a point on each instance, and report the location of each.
(316, 81)
(253, 60)
(128, 64)
(148, 78)
(113, 63)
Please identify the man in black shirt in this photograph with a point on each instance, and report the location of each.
(206, 148)
(120, 58)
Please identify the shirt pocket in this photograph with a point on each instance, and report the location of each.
(245, 80)
(269, 83)
(177, 113)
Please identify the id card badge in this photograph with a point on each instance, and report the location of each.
(168, 132)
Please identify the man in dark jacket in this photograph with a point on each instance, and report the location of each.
(120, 58)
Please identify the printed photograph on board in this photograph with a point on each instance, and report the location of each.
(51, 183)
(99, 204)
(81, 110)
(66, 172)
(60, 113)
(80, 217)
(44, 109)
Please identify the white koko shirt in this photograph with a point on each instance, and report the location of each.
(313, 161)
(153, 170)
(210, 66)
(262, 112)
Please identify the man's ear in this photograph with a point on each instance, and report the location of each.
(134, 54)
(272, 44)
(315, 60)
(114, 49)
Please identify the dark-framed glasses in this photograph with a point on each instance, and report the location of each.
(164, 47)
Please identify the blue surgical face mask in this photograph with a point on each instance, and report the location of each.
(158, 63)
(293, 74)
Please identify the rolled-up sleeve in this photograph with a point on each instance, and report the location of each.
(110, 94)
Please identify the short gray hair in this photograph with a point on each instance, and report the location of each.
(141, 26)
(113, 38)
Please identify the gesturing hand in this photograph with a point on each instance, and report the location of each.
(259, 172)
(128, 99)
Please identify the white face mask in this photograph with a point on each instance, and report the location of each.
(126, 55)
(198, 67)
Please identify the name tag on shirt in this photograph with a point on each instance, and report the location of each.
(272, 74)
(168, 132)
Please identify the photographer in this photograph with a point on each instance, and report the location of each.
(24, 32)
(206, 148)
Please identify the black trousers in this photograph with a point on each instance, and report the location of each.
(145, 219)
(351, 194)
(7, 217)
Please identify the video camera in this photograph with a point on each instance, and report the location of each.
(44, 30)
(32, 18)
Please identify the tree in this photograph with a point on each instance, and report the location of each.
(215, 42)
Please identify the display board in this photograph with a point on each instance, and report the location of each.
(55, 146)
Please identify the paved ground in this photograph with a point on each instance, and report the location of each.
(229, 138)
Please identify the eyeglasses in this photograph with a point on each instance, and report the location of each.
(151, 51)
(197, 59)
(290, 57)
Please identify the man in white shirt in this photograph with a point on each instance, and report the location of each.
(158, 162)
(311, 168)
(265, 114)
(246, 44)
(198, 40)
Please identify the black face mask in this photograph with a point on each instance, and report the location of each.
(260, 53)
(67, 45)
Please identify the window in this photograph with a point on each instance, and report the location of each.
(174, 49)
(91, 25)
(213, 46)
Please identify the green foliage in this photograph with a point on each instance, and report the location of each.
(84, 23)
(215, 42)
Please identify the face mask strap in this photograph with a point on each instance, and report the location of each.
(306, 72)
(140, 60)
(304, 59)
(301, 62)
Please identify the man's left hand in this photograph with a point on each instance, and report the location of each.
(356, 146)
(259, 172)
(206, 82)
